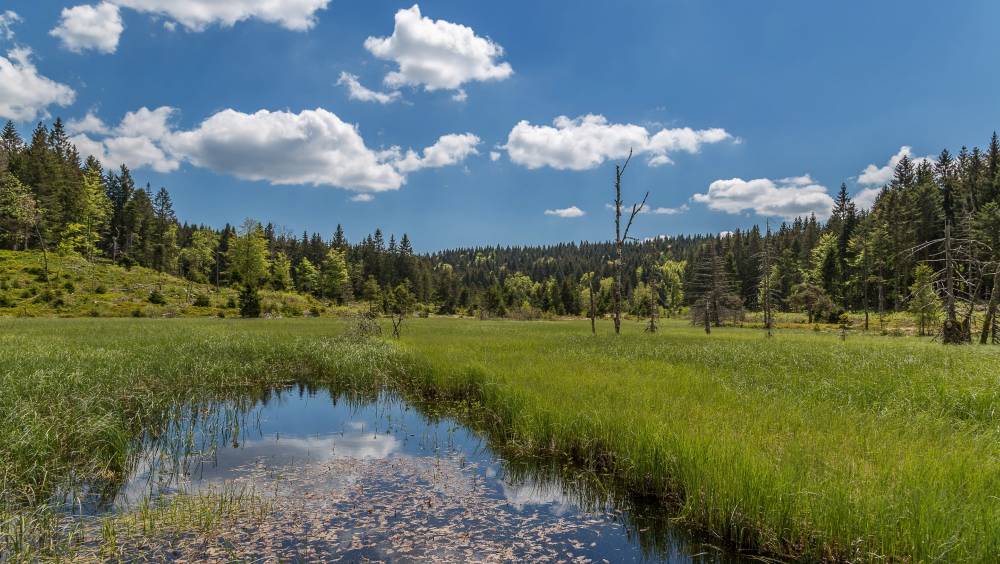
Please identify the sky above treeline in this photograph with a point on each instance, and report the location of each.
(467, 123)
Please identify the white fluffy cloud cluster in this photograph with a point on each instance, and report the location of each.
(137, 141)
(437, 55)
(873, 178)
(588, 141)
(90, 27)
(566, 213)
(786, 198)
(99, 27)
(197, 15)
(25, 95)
(877, 176)
(310, 147)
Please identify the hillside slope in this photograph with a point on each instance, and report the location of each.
(78, 288)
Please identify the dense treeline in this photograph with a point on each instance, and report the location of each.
(888, 258)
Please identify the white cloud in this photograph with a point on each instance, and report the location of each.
(569, 212)
(666, 211)
(437, 54)
(25, 95)
(865, 199)
(649, 210)
(362, 197)
(90, 123)
(196, 15)
(7, 20)
(357, 91)
(588, 141)
(449, 150)
(311, 147)
(136, 142)
(877, 176)
(786, 198)
(90, 27)
(494, 156)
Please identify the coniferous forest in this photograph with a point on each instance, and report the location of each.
(931, 240)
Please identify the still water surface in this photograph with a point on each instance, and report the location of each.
(379, 480)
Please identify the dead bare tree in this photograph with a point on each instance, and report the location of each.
(654, 305)
(964, 273)
(621, 237)
(593, 303)
(767, 290)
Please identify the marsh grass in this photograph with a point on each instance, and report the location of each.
(799, 446)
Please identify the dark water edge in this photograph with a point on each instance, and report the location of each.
(373, 478)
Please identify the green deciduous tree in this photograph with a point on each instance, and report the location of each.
(925, 304)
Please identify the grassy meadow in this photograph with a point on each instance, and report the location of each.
(78, 288)
(803, 445)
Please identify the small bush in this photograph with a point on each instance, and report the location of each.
(221, 314)
(231, 303)
(201, 300)
(69, 287)
(291, 310)
(249, 302)
(100, 289)
(138, 313)
(5, 301)
(156, 298)
(94, 313)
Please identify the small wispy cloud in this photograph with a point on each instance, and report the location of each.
(566, 213)
(357, 91)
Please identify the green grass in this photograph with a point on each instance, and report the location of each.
(803, 445)
(78, 288)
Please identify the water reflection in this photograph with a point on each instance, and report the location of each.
(374, 478)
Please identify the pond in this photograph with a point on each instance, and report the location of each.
(379, 480)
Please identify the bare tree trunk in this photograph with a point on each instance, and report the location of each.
(621, 237)
(768, 320)
(45, 255)
(881, 300)
(952, 331)
(867, 275)
(653, 307)
(991, 311)
(593, 308)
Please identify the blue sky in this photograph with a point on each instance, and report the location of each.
(784, 100)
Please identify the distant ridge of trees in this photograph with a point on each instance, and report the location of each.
(876, 260)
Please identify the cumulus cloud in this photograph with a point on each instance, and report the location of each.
(865, 198)
(494, 156)
(90, 27)
(197, 15)
(569, 212)
(588, 141)
(357, 91)
(89, 123)
(449, 150)
(877, 176)
(437, 55)
(786, 198)
(312, 147)
(7, 20)
(136, 142)
(363, 197)
(282, 148)
(25, 95)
